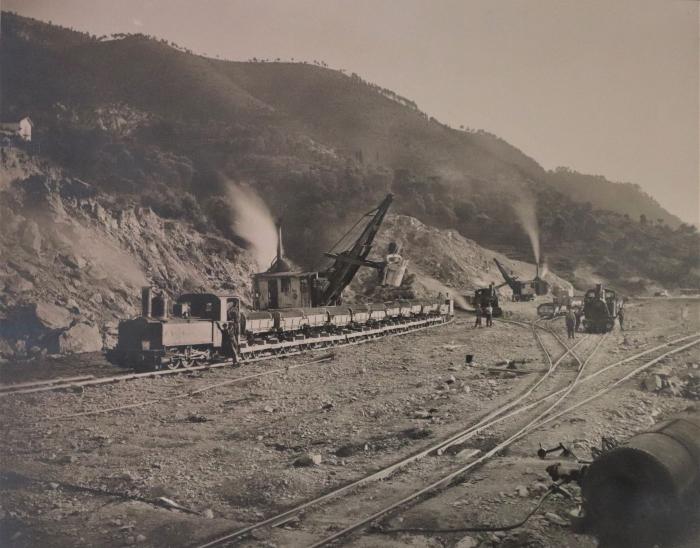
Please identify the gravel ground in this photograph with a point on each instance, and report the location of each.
(229, 454)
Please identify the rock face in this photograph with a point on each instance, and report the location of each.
(76, 260)
(79, 338)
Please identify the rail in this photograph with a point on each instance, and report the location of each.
(337, 342)
(387, 471)
(492, 419)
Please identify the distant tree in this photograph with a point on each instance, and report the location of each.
(643, 219)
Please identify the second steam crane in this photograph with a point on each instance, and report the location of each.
(523, 290)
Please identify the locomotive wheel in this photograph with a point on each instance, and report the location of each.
(173, 364)
(187, 362)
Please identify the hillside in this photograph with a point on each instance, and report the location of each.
(149, 125)
(626, 198)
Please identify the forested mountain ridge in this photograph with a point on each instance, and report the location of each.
(156, 126)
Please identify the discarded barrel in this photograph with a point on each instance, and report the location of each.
(645, 488)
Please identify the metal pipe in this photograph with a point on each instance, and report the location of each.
(643, 489)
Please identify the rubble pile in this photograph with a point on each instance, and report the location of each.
(669, 382)
(444, 260)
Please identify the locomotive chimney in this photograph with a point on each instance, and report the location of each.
(280, 264)
(280, 248)
(146, 302)
(166, 305)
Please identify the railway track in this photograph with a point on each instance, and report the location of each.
(285, 350)
(553, 400)
(434, 449)
(542, 418)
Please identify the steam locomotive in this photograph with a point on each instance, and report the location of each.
(601, 306)
(293, 311)
(203, 324)
(486, 296)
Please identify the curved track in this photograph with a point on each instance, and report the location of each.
(437, 448)
(540, 420)
(507, 411)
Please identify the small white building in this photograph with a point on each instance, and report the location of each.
(21, 129)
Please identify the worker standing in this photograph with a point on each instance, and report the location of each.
(570, 323)
(489, 315)
(578, 313)
(479, 313)
(621, 318)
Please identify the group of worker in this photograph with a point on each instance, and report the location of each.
(484, 312)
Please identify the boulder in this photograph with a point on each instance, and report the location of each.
(652, 383)
(467, 542)
(79, 338)
(310, 459)
(35, 319)
(74, 261)
(51, 316)
(31, 237)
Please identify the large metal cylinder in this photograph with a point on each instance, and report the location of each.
(641, 490)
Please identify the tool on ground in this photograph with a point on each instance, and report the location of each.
(565, 451)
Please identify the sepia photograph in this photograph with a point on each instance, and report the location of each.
(350, 273)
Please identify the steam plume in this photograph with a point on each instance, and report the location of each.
(525, 210)
(254, 223)
(434, 285)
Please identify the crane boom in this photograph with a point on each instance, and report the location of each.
(347, 262)
(510, 280)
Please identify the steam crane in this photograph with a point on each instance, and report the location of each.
(522, 291)
(281, 288)
(347, 259)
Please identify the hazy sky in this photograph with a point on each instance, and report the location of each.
(607, 87)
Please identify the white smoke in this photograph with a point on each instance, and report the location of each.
(525, 210)
(434, 286)
(254, 223)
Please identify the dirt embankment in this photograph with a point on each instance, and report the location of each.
(444, 260)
